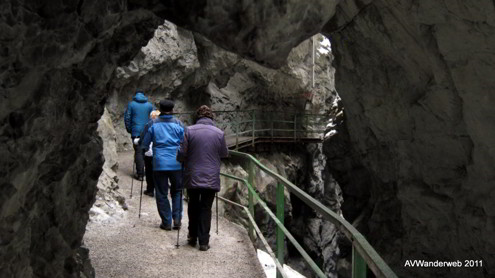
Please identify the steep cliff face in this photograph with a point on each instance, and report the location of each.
(55, 61)
(416, 81)
(192, 71)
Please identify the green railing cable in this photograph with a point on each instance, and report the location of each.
(258, 232)
(289, 236)
(365, 250)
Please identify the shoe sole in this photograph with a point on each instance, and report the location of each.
(202, 248)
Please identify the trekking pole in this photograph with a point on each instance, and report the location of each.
(140, 198)
(216, 205)
(132, 178)
(180, 215)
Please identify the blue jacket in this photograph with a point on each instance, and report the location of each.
(166, 133)
(137, 114)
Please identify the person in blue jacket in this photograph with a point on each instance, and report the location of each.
(136, 117)
(166, 133)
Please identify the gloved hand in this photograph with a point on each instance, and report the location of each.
(136, 141)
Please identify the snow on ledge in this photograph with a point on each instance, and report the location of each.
(270, 269)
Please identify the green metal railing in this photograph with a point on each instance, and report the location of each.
(270, 125)
(363, 254)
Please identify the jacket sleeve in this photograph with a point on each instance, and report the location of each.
(182, 151)
(224, 151)
(146, 140)
(128, 118)
(143, 133)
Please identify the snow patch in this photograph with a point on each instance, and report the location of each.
(325, 46)
(270, 269)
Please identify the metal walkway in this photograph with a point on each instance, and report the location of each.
(245, 128)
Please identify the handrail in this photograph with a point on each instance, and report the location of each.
(281, 226)
(253, 124)
(362, 250)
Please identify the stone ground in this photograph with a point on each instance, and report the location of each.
(133, 247)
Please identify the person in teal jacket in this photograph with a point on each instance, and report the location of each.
(136, 117)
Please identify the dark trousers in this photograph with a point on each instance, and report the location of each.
(199, 213)
(162, 179)
(148, 169)
(138, 159)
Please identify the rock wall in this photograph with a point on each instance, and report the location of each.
(110, 203)
(415, 78)
(157, 69)
(55, 60)
(192, 71)
(264, 31)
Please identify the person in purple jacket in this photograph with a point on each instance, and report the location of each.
(200, 151)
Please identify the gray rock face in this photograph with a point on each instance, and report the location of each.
(55, 61)
(157, 69)
(193, 71)
(110, 203)
(415, 78)
(264, 31)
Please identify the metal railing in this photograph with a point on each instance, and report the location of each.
(244, 126)
(363, 254)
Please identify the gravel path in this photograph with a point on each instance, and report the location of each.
(136, 247)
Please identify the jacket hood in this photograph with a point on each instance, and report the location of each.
(140, 97)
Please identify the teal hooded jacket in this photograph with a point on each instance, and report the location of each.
(137, 114)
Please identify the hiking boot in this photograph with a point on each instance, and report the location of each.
(167, 227)
(177, 224)
(191, 241)
(149, 193)
(204, 247)
(139, 177)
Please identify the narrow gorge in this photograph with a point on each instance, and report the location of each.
(408, 153)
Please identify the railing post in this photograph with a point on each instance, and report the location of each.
(271, 121)
(236, 130)
(295, 127)
(254, 122)
(251, 168)
(280, 233)
(358, 265)
(307, 127)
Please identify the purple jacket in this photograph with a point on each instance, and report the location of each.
(201, 150)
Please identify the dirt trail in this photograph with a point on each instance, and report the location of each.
(134, 247)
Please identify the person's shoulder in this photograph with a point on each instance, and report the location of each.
(218, 130)
(206, 127)
(177, 121)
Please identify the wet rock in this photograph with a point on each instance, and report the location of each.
(414, 78)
